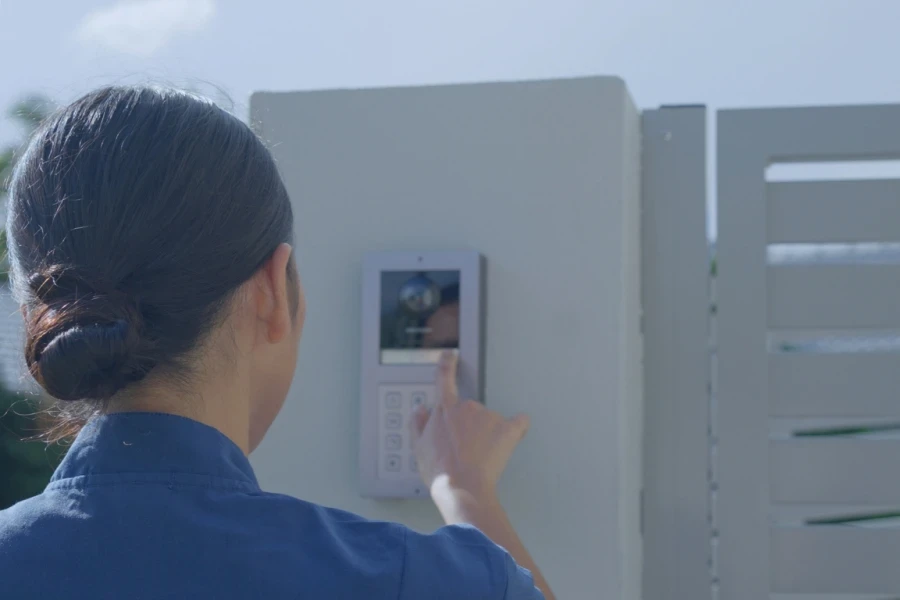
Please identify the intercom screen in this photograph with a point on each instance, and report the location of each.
(419, 315)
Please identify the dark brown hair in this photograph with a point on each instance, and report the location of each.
(134, 215)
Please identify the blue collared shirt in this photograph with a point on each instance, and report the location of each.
(149, 505)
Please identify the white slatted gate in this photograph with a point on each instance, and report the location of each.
(807, 336)
(804, 361)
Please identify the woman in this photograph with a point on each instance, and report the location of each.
(149, 236)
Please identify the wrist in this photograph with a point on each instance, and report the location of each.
(464, 500)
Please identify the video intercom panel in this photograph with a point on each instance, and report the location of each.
(415, 305)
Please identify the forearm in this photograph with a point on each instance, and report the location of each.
(484, 511)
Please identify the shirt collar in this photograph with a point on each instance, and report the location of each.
(141, 442)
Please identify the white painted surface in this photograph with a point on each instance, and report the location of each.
(854, 385)
(675, 260)
(837, 471)
(12, 340)
(834, 297)
(835, 560)
(540, 177)
(833, 318)
(834, 211)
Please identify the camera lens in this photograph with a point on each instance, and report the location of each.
(420, 295)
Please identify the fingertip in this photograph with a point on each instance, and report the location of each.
(419, 420)
(448, 360)
(447, 378)
(522, 422)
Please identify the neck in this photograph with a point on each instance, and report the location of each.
(220, 402)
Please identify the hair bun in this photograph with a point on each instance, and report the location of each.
(83, 343)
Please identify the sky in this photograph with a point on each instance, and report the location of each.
(721, 53)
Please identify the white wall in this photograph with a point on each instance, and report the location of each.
(542, 178)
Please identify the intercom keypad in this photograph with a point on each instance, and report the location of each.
(396, 405)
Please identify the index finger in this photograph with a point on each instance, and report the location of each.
(446, 376)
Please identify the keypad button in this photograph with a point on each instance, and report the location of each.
(393, 441)
(393, 462)
(393, 420)
(393, 400)
(418, 399)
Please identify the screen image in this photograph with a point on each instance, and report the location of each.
(419, 315)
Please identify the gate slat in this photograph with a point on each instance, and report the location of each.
(834, 385)
(834, 297)
(834, 560)
(834, 211)
(835, 471)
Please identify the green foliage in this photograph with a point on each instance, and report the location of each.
(26, 462)
(28, 113)
(6, 165)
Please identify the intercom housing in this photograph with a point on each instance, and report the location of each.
(415, 305)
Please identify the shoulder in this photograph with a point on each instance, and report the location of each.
(461, 562)
(19, 524)
(18, 517)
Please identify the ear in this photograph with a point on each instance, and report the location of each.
(273, 305)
